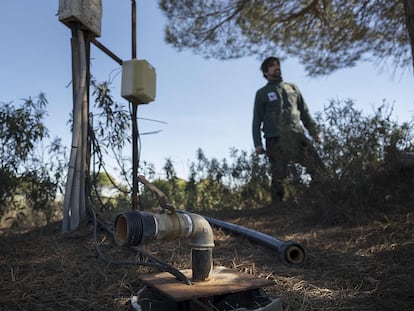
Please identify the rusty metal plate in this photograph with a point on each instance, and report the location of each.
(221, 281)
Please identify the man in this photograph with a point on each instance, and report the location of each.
(281, 112)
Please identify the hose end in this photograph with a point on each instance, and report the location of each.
(292, 253)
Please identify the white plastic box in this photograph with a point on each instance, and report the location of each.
(138, 81)
(86, 12)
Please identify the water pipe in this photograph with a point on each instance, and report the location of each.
(73, 198)
(289, 252)
(134, 228)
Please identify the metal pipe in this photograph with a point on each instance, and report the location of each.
(289, 252)
(134, 29)
(107, 51)
(202, 243)
(73, 202)
(135, 228)
(135, 158)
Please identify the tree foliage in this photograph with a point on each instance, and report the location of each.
(112, 120)
(361, 154)
(240, 182)
(364, 173)
(325, 35)
(20, 128)
(364, 156)
(29, 169)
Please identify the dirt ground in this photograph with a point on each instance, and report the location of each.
(364, 267)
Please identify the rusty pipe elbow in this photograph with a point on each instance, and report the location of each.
(202, 235)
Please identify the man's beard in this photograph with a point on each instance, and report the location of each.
(277, 78)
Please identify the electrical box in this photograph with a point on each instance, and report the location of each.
(138, 81)
(86, 12)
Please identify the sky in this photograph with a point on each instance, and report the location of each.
(205, 104)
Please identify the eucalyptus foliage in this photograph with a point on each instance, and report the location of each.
(31, 164)
(109, 129)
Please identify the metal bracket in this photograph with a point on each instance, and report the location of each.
(162, 199)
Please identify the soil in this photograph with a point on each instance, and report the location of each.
(368, 266)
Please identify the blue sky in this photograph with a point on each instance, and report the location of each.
(206, 104)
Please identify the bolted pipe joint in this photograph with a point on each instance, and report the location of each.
(136, 228)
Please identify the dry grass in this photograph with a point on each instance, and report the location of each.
(365, 267)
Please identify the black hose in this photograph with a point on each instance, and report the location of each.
(289, 252)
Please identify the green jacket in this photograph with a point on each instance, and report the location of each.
(280, 107)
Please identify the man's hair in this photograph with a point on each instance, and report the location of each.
(267, 63)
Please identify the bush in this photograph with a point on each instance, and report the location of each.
(360, 180)
(28, 178)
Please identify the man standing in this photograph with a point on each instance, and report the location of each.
(280, 112)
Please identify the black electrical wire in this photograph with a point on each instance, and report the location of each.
(152, 261)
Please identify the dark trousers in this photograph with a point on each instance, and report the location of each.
(292, 148)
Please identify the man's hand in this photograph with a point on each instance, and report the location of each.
(260, 150)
